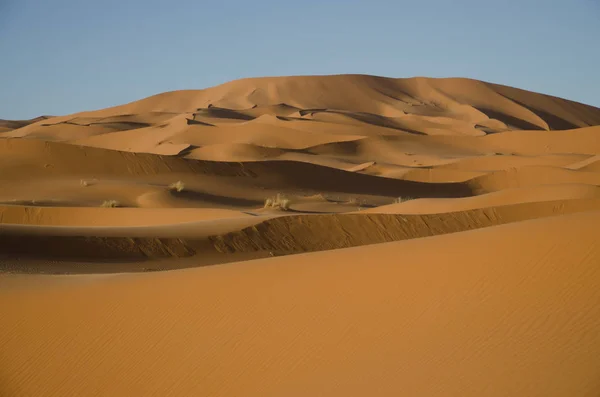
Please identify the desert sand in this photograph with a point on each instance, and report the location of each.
(309, 235)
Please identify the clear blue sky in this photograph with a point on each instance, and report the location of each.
(64, 56)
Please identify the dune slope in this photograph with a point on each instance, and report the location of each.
(447, 315)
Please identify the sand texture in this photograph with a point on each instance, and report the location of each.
(344, 235)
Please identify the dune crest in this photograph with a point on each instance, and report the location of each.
(428, 106)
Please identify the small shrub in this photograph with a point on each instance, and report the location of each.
(403, 199)
(177, 186)
(269, 203)
(278, 202)
(358, 202)
(284, 204)
(87, 182)
(110, 204)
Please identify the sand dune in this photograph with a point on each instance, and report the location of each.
(340, 235)
(509, 196)
(418, 105)
(69, 216)
(377, 95)
(592, 163)
(9, 125)
(436, 316)
(215, 235)
(532, 176)
(499, 162)
(285, 235)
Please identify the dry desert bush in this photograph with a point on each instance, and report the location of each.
(177, 186)
(278, 202)
(110, 204)
(403, 199)
(88, 182)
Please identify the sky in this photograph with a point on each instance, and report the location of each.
(64, 56)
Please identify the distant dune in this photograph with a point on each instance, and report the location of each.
(8, 125)
(307, 235)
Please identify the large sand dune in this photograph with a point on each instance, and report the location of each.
(421, 237)
(449, 315)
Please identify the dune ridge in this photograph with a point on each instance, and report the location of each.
(216, 240)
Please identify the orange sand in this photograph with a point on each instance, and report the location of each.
(423, 237)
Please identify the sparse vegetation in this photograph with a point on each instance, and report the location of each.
(403, 199)
(278, 202)
(358, 202)
(88, 182)
(177, 186)
(110, 204)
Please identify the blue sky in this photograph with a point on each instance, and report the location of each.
(64, 56)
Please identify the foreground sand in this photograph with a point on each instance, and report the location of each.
(447, 315)
(439, 237)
